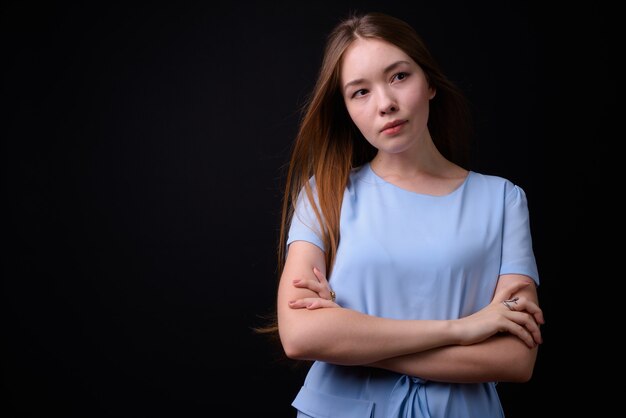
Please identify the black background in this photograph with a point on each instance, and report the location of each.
(143, 153)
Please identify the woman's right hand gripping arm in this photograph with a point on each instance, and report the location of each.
(343, 336)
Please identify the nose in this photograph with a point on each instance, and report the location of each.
(387, 103)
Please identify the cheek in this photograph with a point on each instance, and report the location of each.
(359, 117)
(421, 99)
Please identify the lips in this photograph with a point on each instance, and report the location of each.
(393, 124)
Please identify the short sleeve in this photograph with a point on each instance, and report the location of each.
(304, 224)
(517, 250)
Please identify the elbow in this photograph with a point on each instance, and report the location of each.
(293, 351)
(294, 346)
(522, 375)
(521, 369)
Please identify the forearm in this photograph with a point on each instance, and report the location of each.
(347, 337)
(502, 358)
(344, 336)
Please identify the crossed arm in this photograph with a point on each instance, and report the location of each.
(494, 344)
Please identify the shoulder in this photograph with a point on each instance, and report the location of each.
(490, 180)
(498, 188)
(359, 175)
(359, 172)
(493, 182)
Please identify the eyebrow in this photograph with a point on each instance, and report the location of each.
(386, 70)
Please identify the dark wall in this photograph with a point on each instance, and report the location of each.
(143, 152)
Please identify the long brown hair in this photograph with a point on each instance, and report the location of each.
(328, 144)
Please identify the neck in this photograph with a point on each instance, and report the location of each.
(425, 160)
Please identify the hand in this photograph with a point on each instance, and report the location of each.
(522, 319)
(507, 292)
(325, 295)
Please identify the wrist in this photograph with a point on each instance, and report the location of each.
(455, 331)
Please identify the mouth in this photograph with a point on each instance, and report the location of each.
(394, 124)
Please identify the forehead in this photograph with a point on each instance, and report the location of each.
(365, 58)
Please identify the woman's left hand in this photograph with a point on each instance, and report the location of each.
(325, 295)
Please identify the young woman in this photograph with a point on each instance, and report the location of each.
(431, 292)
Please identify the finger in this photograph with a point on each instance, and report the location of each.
(311, 303)
(326, 293)
(523, 304)
(520, 332)
(533, 328)
(301, 303)
(321, 303)
(515, 324)
(312, 285)
(533, 309)
(528, 322)
(321, 277)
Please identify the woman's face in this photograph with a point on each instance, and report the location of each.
(386, 94)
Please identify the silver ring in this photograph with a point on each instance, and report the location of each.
(508, 302)
(333, 295)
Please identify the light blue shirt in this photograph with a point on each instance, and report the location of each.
(407, 255)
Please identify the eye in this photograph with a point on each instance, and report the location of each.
(359, 93)
(399, 76)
